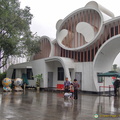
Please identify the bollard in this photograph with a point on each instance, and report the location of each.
(109, 91)
(24, 86)
(99, 90)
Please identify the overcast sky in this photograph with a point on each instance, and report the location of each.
(47, 12)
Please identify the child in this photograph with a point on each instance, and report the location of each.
(66, 89)
(71, 90)
(67, 93)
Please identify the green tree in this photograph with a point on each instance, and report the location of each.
(2, 76)
(16, 39)
(115, 67)
(118, 69)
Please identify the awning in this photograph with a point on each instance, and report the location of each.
(109, 74)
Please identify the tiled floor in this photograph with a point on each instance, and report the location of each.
(31, 105)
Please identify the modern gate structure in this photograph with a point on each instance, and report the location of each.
(87, 42)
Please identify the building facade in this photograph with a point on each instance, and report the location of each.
(87, 42)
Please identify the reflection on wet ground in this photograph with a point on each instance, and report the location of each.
(31, 105)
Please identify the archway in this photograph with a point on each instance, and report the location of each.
(52, 65)
(105, 57)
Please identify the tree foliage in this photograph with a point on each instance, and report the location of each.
(16, 39)
(115, 67)
(2, 76)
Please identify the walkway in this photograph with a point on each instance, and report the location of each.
(31, 105)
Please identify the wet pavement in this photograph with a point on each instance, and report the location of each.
(32, 105)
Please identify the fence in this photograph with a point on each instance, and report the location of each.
(104, 92)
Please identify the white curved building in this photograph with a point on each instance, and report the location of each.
(87, 42)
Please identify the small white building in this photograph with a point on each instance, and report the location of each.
(87, 42)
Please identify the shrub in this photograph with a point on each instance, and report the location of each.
(2, 76)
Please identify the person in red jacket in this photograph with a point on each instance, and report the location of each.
(71, 90)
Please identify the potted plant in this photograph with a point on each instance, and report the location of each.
(39, 78)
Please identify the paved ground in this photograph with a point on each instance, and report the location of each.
(31, 105)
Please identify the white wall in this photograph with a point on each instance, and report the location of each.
(38, 67)
(87, 75)
(43, 67)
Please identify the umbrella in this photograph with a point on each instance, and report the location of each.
(109, 74)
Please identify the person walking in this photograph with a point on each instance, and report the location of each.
(76, 86)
